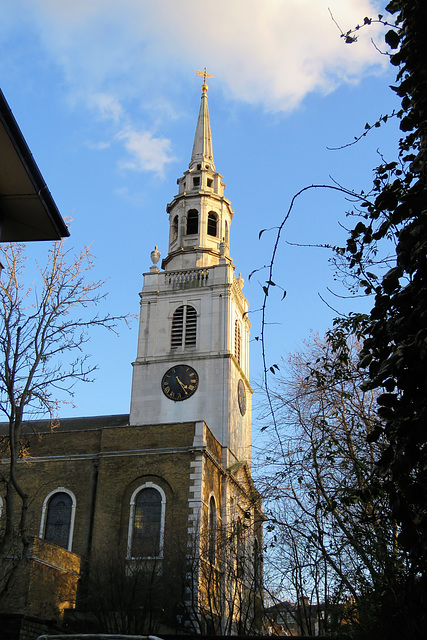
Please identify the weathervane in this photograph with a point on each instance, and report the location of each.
(205, 75)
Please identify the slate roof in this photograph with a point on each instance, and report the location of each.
(72, 424)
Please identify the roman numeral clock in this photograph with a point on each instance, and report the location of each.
(180, 382)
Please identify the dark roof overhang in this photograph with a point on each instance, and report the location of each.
(27, 209)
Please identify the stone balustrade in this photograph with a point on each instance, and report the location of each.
(187, 279)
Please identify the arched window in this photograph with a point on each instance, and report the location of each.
(174, 229)
(257, 565)
(57, 521)
(240, 549)
(212, 224)
(212, 531)
(184, 327)
(192, 222)
(146, 522)
(237, 340)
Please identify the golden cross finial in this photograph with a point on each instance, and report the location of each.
(205, 75)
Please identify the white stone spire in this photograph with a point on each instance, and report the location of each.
(199, 215)
(202, 147)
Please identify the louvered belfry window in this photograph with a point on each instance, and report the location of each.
(184, 327)
(177, 328)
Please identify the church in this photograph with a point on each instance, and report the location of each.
(149, 522)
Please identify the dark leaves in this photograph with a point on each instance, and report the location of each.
(392, 38)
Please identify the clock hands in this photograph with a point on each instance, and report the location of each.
(173, 386)
(184, 386)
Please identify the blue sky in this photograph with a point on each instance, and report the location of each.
(107, 97)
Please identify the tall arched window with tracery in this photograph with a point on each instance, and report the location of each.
(57, 522)
(184, 327)
(237, 341)
(146, 522)
(212, 531)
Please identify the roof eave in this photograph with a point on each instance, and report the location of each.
(25, 215)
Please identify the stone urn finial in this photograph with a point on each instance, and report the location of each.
(155, 257)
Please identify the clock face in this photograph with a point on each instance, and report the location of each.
(180, 382)
(241, 396)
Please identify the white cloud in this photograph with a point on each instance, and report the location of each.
(146, 152)
(107, 106)
(270, 53)
(98, 146)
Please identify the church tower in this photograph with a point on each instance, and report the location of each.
(192, 359)
(161, 499)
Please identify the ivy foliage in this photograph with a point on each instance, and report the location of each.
(394, 353)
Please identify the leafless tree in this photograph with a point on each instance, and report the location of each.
(334, 538)
(223, 585)
(46, 314)
(128, 597)
(195, 588)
